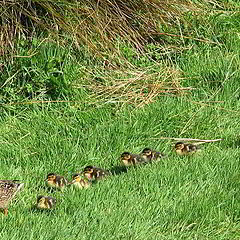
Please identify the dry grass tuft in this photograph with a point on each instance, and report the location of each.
(135, 86)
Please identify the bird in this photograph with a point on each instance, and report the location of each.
(8, 189)
(45, 202)
(151, 155)
(184, 149)
(55, 181)
(95, 173)
(130, 159)
(80, 182)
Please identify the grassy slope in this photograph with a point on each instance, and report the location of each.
(179, 198)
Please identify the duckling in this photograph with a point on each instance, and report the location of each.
(151, 155)
(80, 182)
(184, 149)
(8, 189)
(56, 181)
(45, 202)
(95, 173)
(130, 159)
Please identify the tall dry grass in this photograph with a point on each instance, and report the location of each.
(95, 24)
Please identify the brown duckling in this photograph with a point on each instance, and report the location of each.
(151, 155)
(186, 149)
(56, 181)
(130, 159)
(95, 173)
(80, 182)
(45, 202)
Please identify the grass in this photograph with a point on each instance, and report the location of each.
(179, 198)
(89, 23)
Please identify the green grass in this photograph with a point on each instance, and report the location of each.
(179, 198)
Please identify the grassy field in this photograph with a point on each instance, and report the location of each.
(178, 198)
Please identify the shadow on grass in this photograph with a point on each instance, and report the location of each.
(117, 170)
(36, 210)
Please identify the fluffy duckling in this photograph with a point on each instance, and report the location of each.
(56, 181)
(95, 173)
(151, 155)
(8, 190)
(80, 182)
(45, 202)
(130, 159)
(184, 149)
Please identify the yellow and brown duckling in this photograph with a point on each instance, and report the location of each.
(130, 159)
(55, 181)
(8, 189)
(45, 202)
(186, 149)
(95, 173)
(80, 182)
(151, 155)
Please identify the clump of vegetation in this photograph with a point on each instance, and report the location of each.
(96, 24)
(36, 66)
(121, 51)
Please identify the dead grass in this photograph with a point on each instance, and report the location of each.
(135, 86)
(95, 24)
